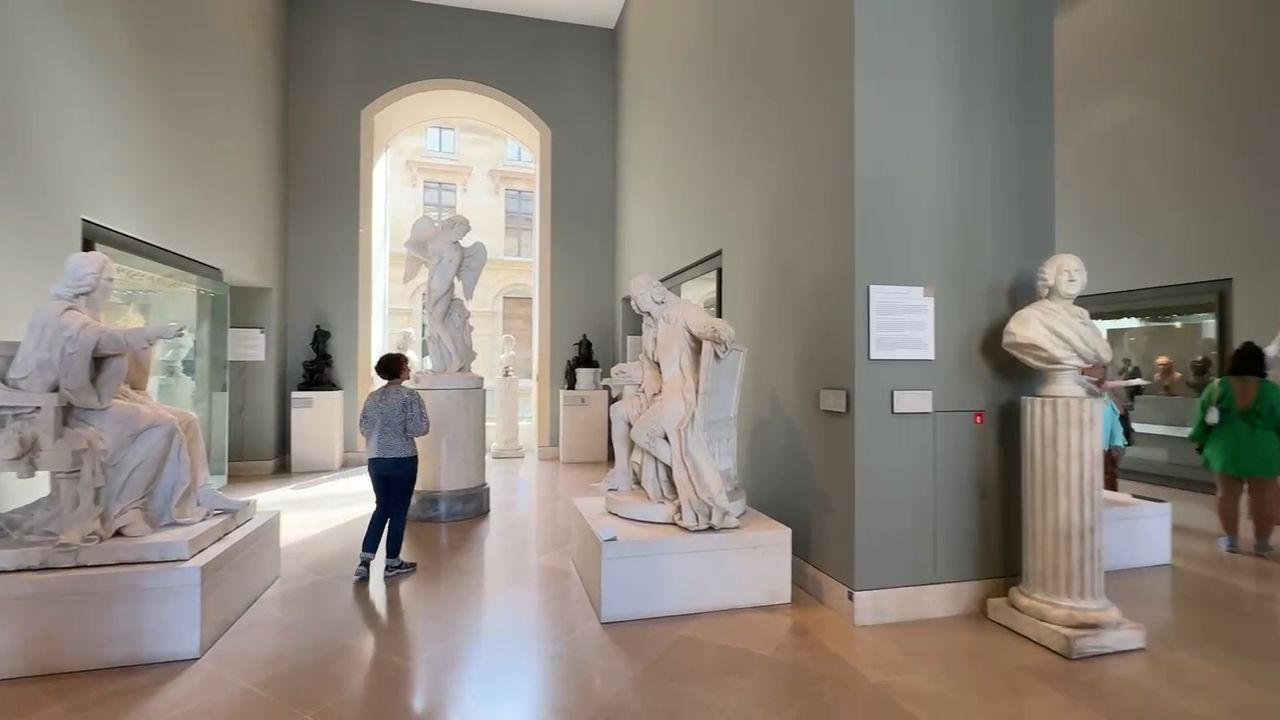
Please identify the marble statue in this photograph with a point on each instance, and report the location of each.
(675, 438)
(584, 359)
(1055, 336)
(508, 358)
(404, 346)
(315, 372)
(143, 464)
(438, 247)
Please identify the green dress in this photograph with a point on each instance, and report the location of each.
(1242, 444)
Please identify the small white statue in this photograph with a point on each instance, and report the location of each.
(508, 357)
(148, 459)
(682, 420)
(1052, 334)
(439, 247)
(404, 346)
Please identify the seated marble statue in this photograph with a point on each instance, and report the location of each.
(148, 459)
(660, 439)
(1053, 333)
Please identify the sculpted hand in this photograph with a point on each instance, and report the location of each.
(166, 332)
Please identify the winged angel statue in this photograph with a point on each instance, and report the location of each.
(439, 247)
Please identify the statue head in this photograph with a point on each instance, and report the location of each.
(455, 225)
(1061, 277)
(508, 343)
(87, 277)
(648, 295)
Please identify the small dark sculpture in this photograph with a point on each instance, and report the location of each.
(315, 372)
(584, 359)
(1201, 374)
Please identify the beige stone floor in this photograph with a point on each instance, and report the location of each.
(495, 626)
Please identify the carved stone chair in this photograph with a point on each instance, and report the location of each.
(719, 389)
(31, 425)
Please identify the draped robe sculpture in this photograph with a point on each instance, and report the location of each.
(661, 439)
(146, 461)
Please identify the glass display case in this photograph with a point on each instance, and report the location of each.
(155, 286)
(1175, 338)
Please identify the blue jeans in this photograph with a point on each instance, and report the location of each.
(393, 480)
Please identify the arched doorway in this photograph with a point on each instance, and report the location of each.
(442, 147)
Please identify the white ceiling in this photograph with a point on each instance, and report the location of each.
(600, 13)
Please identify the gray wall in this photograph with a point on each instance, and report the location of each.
(162, 119)
(1168, 163)
(735, 132)
(344, 54)
(954, 158)
(256, 429)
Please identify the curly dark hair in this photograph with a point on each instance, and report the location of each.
(1248, 361)
(391, 365)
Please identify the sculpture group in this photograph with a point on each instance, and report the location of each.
(74, 401)
(675, 428)
(438, 246)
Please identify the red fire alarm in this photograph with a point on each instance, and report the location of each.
(980, 418)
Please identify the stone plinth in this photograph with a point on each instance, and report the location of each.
(451, 477)
(88, 618)
(634, 570)
(507, 400)
(1063, 585)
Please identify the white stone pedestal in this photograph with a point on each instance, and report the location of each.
(451, 483)
(584, 426)
(1061, 602)
(507, 399)
(634, 570)
(59, 621)
(1136, 532)
(315, 431)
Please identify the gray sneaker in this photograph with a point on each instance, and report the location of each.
(362, 571)
(398, 567)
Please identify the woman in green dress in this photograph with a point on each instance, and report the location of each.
(1237, 431)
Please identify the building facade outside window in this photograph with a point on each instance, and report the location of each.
(518, 153)
(443, 140)
(439, 199)
(519, 222)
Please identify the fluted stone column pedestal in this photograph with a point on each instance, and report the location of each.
(1061, 602)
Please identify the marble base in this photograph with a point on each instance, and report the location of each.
(500, 454)
(636, 505)
(178, 542)
(584, 426)
(316, 426)
(59, 621)
(1136, 532)
(451, 475)
(1071, 643)
(449, 505)
(633, 570)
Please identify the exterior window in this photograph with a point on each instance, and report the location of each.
(519, 242)
(517, 321)
(439, 200)
(518, 153)
(442, 140)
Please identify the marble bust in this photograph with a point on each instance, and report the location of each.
(1053, 334)
(508, 358)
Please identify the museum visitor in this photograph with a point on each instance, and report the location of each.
(1237, 431)
(392, 417)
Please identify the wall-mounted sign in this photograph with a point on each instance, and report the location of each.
(901, 322)
(246, 344)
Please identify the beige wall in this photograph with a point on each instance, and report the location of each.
(1168, 146)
